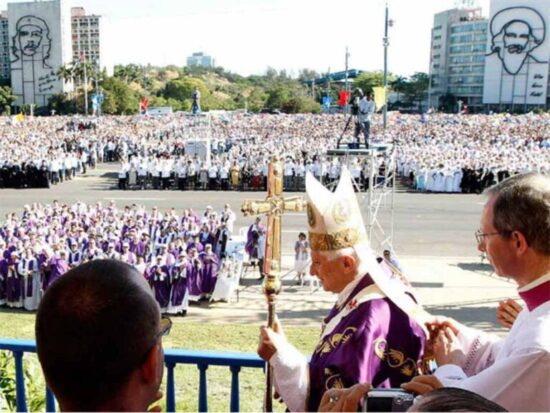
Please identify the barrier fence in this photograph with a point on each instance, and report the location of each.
(172, 357)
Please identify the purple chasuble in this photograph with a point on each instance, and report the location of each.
(179, 283)
(59, 267)
(194, 276)
(3, 274)
(14, 284)
(161, 285)
(376, 343)
(209, 273)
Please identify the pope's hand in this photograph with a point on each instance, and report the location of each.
(447, 349)
(507, 312)
(422, 384)
(344, 400)
(268, 338)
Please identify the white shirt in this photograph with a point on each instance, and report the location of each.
(514, 371)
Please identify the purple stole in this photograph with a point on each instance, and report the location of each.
(29, 266)
(375, 343)
(74, 257)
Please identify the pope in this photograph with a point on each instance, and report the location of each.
(374, 333)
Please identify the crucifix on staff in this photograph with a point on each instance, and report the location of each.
(274, 206)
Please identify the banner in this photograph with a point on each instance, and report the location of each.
(144, 103)
(344, 97)
(379, 96)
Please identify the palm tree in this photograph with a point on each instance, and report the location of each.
(398, 85)
(67, 74)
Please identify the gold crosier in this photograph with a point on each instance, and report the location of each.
(274, 206)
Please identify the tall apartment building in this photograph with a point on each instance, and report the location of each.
(86, 35)
(200, 59)
(4, 49)
(457, 57)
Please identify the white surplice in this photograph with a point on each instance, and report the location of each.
(514, 371)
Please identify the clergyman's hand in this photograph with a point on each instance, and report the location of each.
(507, 312)
(447, 349)
(344, 400)
(422, 384)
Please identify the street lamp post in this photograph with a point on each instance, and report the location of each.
(386, 44)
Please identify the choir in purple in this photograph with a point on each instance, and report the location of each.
(179, 254)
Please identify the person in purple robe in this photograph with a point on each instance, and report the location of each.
(374, 333)
(3, 278)
(195, 244)
(209, 271)
(58, 266)
(159, 279)
(14, 283)
(179, 300)
(194, 275)
(252, 237)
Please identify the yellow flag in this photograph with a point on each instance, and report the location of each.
(379, 96)
(20, 117)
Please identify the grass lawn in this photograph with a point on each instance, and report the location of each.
(221, 337)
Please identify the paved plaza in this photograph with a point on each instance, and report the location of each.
(434, 239)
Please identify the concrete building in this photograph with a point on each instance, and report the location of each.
(86, 36)
(457, 58)
(200, 59)
(501, 63)
(4, 49)
(40, 42)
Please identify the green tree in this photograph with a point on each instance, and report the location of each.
(125, 99)
(416, 89)
(398, 85)
(6, 97)
(277, 97)
(301, 104)
(368, 80)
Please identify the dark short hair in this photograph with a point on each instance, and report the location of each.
(450, 399)
(522, 203)
(93, 328)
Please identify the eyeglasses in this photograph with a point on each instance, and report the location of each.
(479, 234)
(165, 327)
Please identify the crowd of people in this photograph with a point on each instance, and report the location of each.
(378, 349)
(436, 152)
(180, 254)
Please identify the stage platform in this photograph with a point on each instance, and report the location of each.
(351, 149)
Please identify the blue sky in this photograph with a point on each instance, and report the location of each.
(247, 36)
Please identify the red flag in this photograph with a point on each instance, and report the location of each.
(82, 57)
(144, 103)
(344, 96)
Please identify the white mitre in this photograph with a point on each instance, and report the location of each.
(335, 223)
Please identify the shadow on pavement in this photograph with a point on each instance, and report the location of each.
(475, 266)
(483, 318)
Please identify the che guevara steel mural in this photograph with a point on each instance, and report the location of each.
(31, 47)
(517, 62)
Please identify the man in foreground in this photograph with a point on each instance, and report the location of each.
(514, 371)
(98, 337)
(371, 334)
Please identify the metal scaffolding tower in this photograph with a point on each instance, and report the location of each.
(379, 198)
